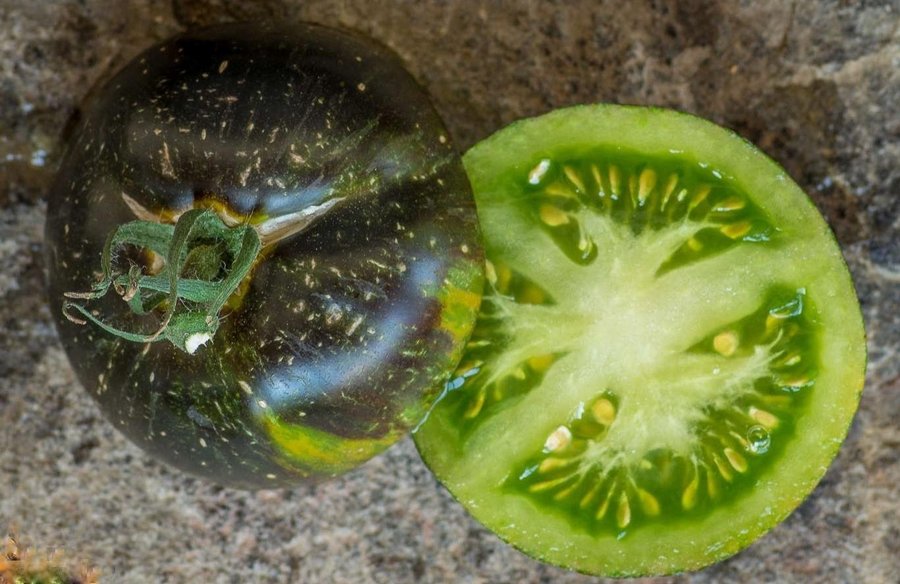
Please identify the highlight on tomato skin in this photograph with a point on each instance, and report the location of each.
(264, 258)
(669, 351)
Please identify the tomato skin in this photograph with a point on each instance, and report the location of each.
(339, 339)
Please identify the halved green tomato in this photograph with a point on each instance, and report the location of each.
(669, 353)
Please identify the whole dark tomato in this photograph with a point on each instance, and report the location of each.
(263, 251)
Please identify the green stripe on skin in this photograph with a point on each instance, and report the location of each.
(320, 451)
(460, 299)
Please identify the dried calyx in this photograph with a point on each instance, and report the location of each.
(203, 262)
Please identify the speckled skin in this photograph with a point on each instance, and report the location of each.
(341, 337)
(812, 82)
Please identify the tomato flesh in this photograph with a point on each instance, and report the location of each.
(669, 353)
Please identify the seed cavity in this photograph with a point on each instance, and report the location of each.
(764, 361)
(585, 470)
(636, 195)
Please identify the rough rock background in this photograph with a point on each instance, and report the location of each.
(814, 84)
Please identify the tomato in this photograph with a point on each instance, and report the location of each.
(670, 349)
(263, 252)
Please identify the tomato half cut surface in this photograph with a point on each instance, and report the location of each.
(669, 352)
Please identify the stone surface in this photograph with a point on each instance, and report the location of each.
(815, 84)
